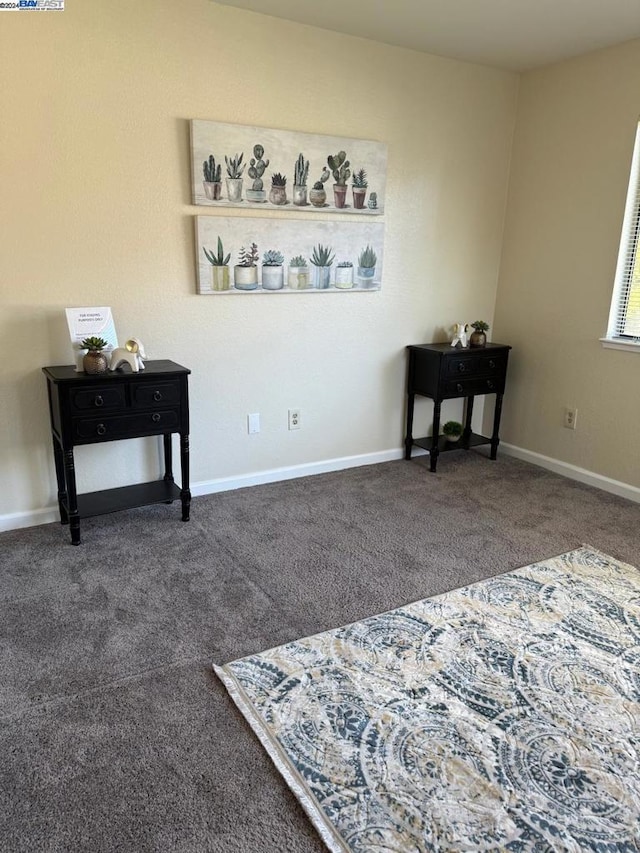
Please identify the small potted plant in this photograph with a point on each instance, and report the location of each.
(255, 171)
(372, 204)
(300, 171)
(212, 181)
(318, 195)
(278, 194)
(344, 275)
(478, 337)
(339, 166)
(367, 266)
(235, 168)
(452, 430)
(359, 188)
(322, 258)
(219, 267)
(272, 270)
(298, 276)
(95, 361)
(245, 272)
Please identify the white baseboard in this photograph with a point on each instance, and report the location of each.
(15, 520)
(274, 475)
(573, 472)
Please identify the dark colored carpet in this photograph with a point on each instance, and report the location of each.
(114, 733)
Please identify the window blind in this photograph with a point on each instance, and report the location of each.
(624, 317)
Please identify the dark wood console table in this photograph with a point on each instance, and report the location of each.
(443, 372)
(90, 409)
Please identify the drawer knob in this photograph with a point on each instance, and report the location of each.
(461, 366)
(459, 387)
(492, 363)
(98, 401)
(489, 383)
(155, 417)
(157, 396)
(101, 429)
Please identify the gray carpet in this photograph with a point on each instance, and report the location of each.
(114, 733)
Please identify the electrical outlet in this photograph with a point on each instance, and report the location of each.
(570, 418)
(253, 423)
(294, 418)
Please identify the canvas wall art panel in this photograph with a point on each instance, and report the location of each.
(240, 255)
(237, 165)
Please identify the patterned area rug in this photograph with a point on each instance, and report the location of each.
(501, 716)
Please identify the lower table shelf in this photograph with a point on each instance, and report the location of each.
(475, 440)
(126, 497)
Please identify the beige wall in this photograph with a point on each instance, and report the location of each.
(95, 177)
(570, 168)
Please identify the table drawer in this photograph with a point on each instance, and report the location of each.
(103, 397)
(154, 394)
(124, 426)
(472, 366)
(468, 387)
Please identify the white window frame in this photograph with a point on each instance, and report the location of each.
(629, 249)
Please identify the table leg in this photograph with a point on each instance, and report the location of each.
(495, 441)
(433, 455)
(408, 442)
(168, 461)
(185, 494)
(62, 488)
(72, 496)
(466, 433)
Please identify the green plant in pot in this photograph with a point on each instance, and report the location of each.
(219, 266)
(278, 194)
(212, 179)
(359, 188)
(367, 261)
(341, 172)
(95, 361)
(298, 277)
(478, 337)
(344, 275)
(318, 194)
(245, 272)
(272, 270)
(235, 168)
(322, 258)
(257, 165)
(452, 430)
(300, 171)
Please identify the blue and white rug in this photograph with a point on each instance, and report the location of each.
(501, 716)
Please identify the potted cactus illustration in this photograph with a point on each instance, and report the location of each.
(372, 204)
(301, 171)
(318, 195)
(278, 194)
(235, 168)
(344, 275)
(359, 188)
(366, 266)
(212, 181)
(272, 270)
(245, 272)
(322, 258)
(339, 166)
(257, 165)
(298, 277)
(219, 267)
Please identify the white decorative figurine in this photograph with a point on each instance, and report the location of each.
(132, 354)
(460, 335)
